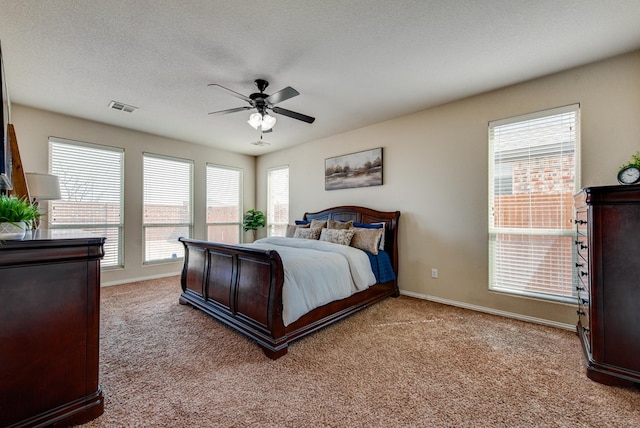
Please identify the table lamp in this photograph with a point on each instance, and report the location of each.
(42, 187)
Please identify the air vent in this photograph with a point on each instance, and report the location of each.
(122, 107)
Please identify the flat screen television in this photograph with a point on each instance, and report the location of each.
(5, 154)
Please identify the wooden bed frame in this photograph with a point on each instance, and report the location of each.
(242, 286)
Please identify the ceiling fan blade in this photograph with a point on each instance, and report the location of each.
(282, 95)
(232, 92)
(293, 114)
(231, 110)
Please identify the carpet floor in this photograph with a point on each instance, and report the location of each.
(403, 362)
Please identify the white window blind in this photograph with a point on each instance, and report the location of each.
(167, 206)
(224, 211)
(91, 185)
(278, 200)
(532, 179)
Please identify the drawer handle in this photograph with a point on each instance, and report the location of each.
(585, 329)
(580, 288)
(583, 273)
(580, 221)
(583, 301)
(579, 264)
(581, 244)
(581, 313)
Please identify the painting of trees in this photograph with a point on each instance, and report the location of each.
(361, 169)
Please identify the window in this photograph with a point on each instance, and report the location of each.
(532, 179)
(224, 212)
(91, 185)
(167, 206)
(278, 195)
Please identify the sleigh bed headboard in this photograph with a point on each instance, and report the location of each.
(366, 215)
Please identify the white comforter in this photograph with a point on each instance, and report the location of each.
(317, 272)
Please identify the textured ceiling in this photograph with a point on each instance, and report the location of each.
(354, 62)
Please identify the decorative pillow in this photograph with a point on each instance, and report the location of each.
(339, 224)
(337, 236)
(369, 225)
(291, 229)
(318, 223)
(373, 226)
(367, 239)
(307, 233)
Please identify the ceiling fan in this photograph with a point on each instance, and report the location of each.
(262, 103)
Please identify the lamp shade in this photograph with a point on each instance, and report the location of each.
(43, 186)
(255, 120)
(264, 120)
(268, 122)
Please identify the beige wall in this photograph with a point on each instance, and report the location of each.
(34, 127)
(435, 173)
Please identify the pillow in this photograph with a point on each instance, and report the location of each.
(339, 224)
(302, 222)
(369, 225)
(373, 226)
(318, 223)
(291, 229)
(367, 239)
(337, 236)
(307, 233)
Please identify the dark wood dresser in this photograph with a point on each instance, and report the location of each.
(49, 330)
(608, 282)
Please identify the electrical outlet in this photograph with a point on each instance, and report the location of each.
(434, 273)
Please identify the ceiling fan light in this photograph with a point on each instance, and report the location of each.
(268, 122)
(255, 120)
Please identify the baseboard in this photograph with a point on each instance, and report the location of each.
(142, 278)
(490, 310)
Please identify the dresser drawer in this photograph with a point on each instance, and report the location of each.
(581, 221)
(583, 318)
(585, 333)
(582, 247)
(582, 284)
(583, 303)
(582, 274)
(582, 287)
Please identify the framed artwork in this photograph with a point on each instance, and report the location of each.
(360, 169)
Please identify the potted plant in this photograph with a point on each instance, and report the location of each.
(16, 215)
(253, 220)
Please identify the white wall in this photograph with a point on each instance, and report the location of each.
(34, 127)
(435, 172)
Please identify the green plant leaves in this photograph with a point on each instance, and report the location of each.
(253, 220)
(635, 160)
(15, 210)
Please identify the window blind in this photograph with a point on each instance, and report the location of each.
(532, 179)
(91, 185)
(278, 200)
(167, 206)
(224, 211)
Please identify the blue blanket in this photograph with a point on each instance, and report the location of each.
(381, 266)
